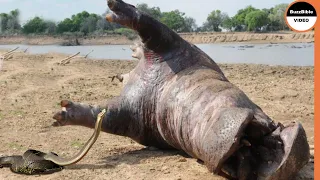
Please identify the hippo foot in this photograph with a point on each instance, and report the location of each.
(279, 155)
(75, 114)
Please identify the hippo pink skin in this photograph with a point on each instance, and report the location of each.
(178, 98)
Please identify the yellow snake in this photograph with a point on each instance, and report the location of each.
(68, 161)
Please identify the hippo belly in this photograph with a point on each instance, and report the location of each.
(205, 115)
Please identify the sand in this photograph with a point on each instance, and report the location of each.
(31, 87)
(196, 38)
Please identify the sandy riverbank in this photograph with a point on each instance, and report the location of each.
(196, 38)
(31, 86)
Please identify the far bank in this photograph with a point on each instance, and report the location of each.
(196, 38)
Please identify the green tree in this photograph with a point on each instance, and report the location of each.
(35, 25)
(256, 19)
(51, 27)
(154, 12)
(82, 22)
(190, 24)
(78, 19)
(65, 26)
(89, 24)
(15, 13)
(3, 22)
(214, 21)
(174, 20)
(239, 18)
(276, 16)
(13, 24)
(10, 22)
(228, 23)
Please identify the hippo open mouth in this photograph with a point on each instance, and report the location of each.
(273, 156)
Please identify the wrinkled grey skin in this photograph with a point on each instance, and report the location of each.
(178, 98)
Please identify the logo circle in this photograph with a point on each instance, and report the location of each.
(301, 16)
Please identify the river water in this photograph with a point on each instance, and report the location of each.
(289, 54)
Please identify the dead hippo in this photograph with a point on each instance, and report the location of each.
(177, 97)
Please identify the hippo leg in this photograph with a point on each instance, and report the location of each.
(79, 114)
(75, 114)
(138, 53)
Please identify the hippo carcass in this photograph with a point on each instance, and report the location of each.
(177, 97)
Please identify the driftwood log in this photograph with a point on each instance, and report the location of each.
(6, 55)
(68, 59)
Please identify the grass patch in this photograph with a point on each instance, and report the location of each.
(16, 146)
(77, 144)
(18, 113)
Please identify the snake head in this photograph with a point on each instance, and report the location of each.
(73, 114)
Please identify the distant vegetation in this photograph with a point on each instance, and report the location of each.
(84, 23)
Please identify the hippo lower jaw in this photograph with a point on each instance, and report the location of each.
(274, 158)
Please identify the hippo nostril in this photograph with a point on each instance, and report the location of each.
(111, 3)
(63, 113)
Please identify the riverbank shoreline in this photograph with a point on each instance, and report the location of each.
(195, 38)
(286, 54)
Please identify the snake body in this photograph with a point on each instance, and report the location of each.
(31, 162)
(37, 162)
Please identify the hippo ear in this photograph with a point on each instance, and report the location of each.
(66, 103)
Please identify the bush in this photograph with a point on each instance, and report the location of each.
(130, 34)
(35, 25)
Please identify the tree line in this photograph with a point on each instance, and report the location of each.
(84, 23)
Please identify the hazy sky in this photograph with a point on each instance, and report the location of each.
(59, 9)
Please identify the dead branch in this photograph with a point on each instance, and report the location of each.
(25, 50)
(10, 56)
(118, 76)
(10, 52)
(88, 54)
(68, 59)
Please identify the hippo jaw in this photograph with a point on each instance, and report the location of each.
(285, 150)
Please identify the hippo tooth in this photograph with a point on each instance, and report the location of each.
(246, 142)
